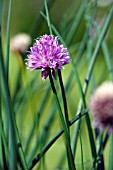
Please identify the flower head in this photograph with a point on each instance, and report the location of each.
(20, 43)
(101, 106)
(47, 54)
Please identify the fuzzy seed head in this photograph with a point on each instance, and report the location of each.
(20, 43)
(101, 106)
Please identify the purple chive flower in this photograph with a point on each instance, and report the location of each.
(101, 106)
(47, 54)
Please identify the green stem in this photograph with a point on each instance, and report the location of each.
(100, 158)
(66, 132)
(64, 98)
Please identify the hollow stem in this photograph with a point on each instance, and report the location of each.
(71, 163)
(64, 98)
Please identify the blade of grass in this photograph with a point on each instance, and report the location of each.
(8, 38)
(1, 7)
(1, 149)
(82, 159)
(4, 153)
(105, 140)
(110, 164)
(1, 155)
(48, 19)
(4, 141)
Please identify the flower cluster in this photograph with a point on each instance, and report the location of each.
(20, 43)
(47, 54)
(101, 106)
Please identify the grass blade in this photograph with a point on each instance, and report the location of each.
(8, 38)
(48, 19)
(82, 159)
(110, 165)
